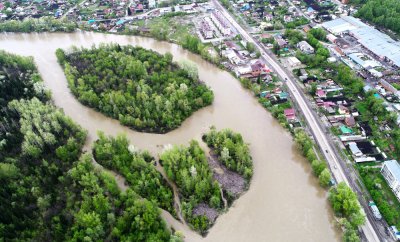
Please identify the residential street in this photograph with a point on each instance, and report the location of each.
(338, 167)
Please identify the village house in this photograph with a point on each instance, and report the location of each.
(287, 18)
(354, 149)
(269, 17)
(293, 61)
(320, 93)
(234, 57)
(350, 121)
(258, 68)
(343, 110)
(305, 47)
(290, 114)
(280, 41)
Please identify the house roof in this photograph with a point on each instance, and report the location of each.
(394, 168)
(289, 112)
(341, 107)
(320, 93)
(283, 95)
(350, 121)
(354, 149)
(257, 66)
(328, 104)
(345, 130)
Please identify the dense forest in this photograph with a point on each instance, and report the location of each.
(49, 191)
(382, 13)
(189, 169)
(136, 166)
(139, 87)
(231, 150)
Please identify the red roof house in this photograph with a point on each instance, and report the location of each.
(290, 114)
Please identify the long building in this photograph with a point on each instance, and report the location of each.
(391, 172)
(373, 40)
(205, 29)
(221, 23)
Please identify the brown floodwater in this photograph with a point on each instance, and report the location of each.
(284, 202)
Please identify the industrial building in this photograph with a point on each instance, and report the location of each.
(381, 45)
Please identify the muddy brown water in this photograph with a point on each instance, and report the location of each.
(284, 202)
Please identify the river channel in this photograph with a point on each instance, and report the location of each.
(284, 202)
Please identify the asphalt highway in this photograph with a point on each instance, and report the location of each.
(338, 169)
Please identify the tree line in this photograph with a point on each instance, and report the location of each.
(49, 191)
(141, 88)
(231, 150)
(346, 206)
(44, 24)
(343, 199)
(382, 13)
(319, 167)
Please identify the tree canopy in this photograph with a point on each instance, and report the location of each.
(345, 204)
(139, 87)
(49, 191)
(231, 149)
(189, 169)
(136, 166)
(44, 24)
(382, 13)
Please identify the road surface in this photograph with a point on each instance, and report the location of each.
(319, 133)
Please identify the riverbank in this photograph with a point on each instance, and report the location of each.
(261, 213)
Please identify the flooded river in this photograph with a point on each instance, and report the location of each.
(284, 202)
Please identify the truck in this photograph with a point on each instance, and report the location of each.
(375, 210)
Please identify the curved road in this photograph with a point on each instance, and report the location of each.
(319, 134)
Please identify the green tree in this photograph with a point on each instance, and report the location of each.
(325, 177)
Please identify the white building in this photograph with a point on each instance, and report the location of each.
(293, 61)
(234, 57)
(305, 47)
(370, 38)
(391, 172)
(354, 149)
